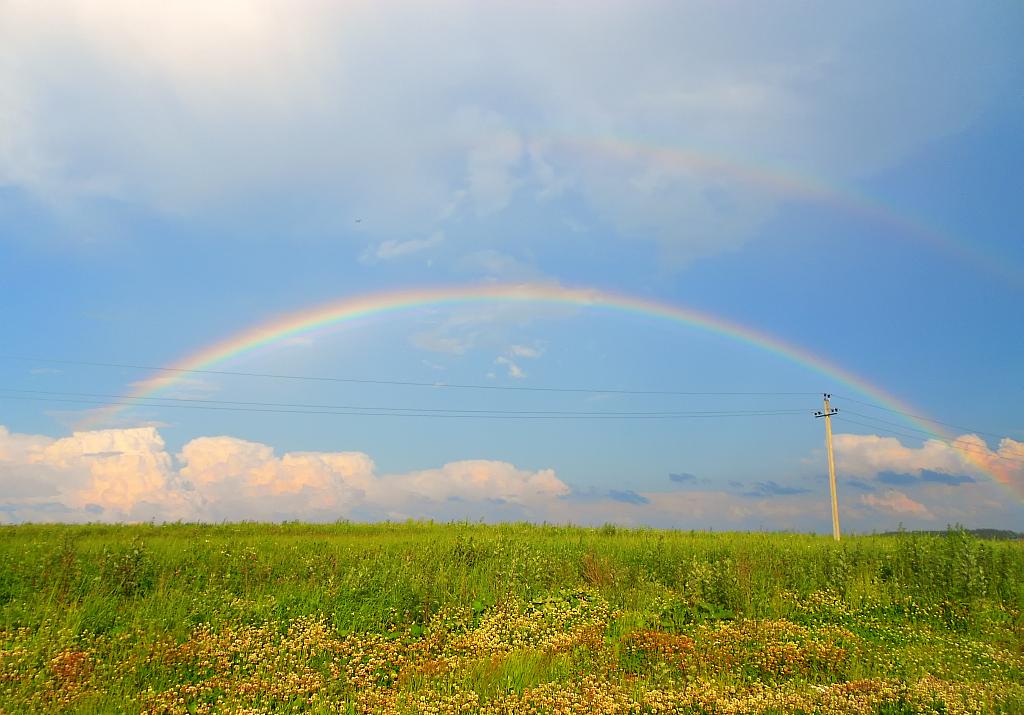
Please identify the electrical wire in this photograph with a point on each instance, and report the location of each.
(879, 420)
(926, 432)
(407, 383)
(363, 410)
(919, 417)
(453, 414)
(990, 454)
(913, 429)
(560, 413)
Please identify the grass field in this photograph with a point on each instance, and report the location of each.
(429, 618)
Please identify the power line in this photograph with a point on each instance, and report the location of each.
(558, 413)
(916, 436)
(362, 410)
(988, 453)
(404, 383)
(930, 435)
(919, 417)
(453, 414)
(914, 429)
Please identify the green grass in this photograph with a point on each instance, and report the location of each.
(422, 617)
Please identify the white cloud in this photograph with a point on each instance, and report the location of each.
(494, 326)
(478, 480)
(495, 151)
(128, 475)
(868, 455)
(233, 477)
(438, 341)
(513, 369)
(409, 114)
(525, 351)
(896, 502)
(124, 472)
(391, 249)
(17, 447)
(508, 360)
(499, 266)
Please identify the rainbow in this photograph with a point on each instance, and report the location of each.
(354, 308)
(790, 186)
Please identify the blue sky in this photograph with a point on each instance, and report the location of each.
(170, 175)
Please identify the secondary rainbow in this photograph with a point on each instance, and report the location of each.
(375, 304)
(786, 185)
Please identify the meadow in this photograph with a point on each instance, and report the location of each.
(468, 618)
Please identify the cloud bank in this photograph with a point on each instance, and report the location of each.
(129, 475)
(665, 124)
(935, 461)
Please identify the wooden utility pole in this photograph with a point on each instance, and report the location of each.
(827, 414)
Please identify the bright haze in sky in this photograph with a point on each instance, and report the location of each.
(578, 262)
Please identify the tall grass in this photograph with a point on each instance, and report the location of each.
(361, 573)
(144, 583)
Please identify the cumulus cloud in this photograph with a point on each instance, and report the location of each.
(16, 448)
(127, 475)
(896, 502)
(229, 475)
(414, 113)
(475, 481)
(965, 459)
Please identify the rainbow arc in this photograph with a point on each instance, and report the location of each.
(365, 306)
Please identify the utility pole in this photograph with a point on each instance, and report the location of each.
(827, 414)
